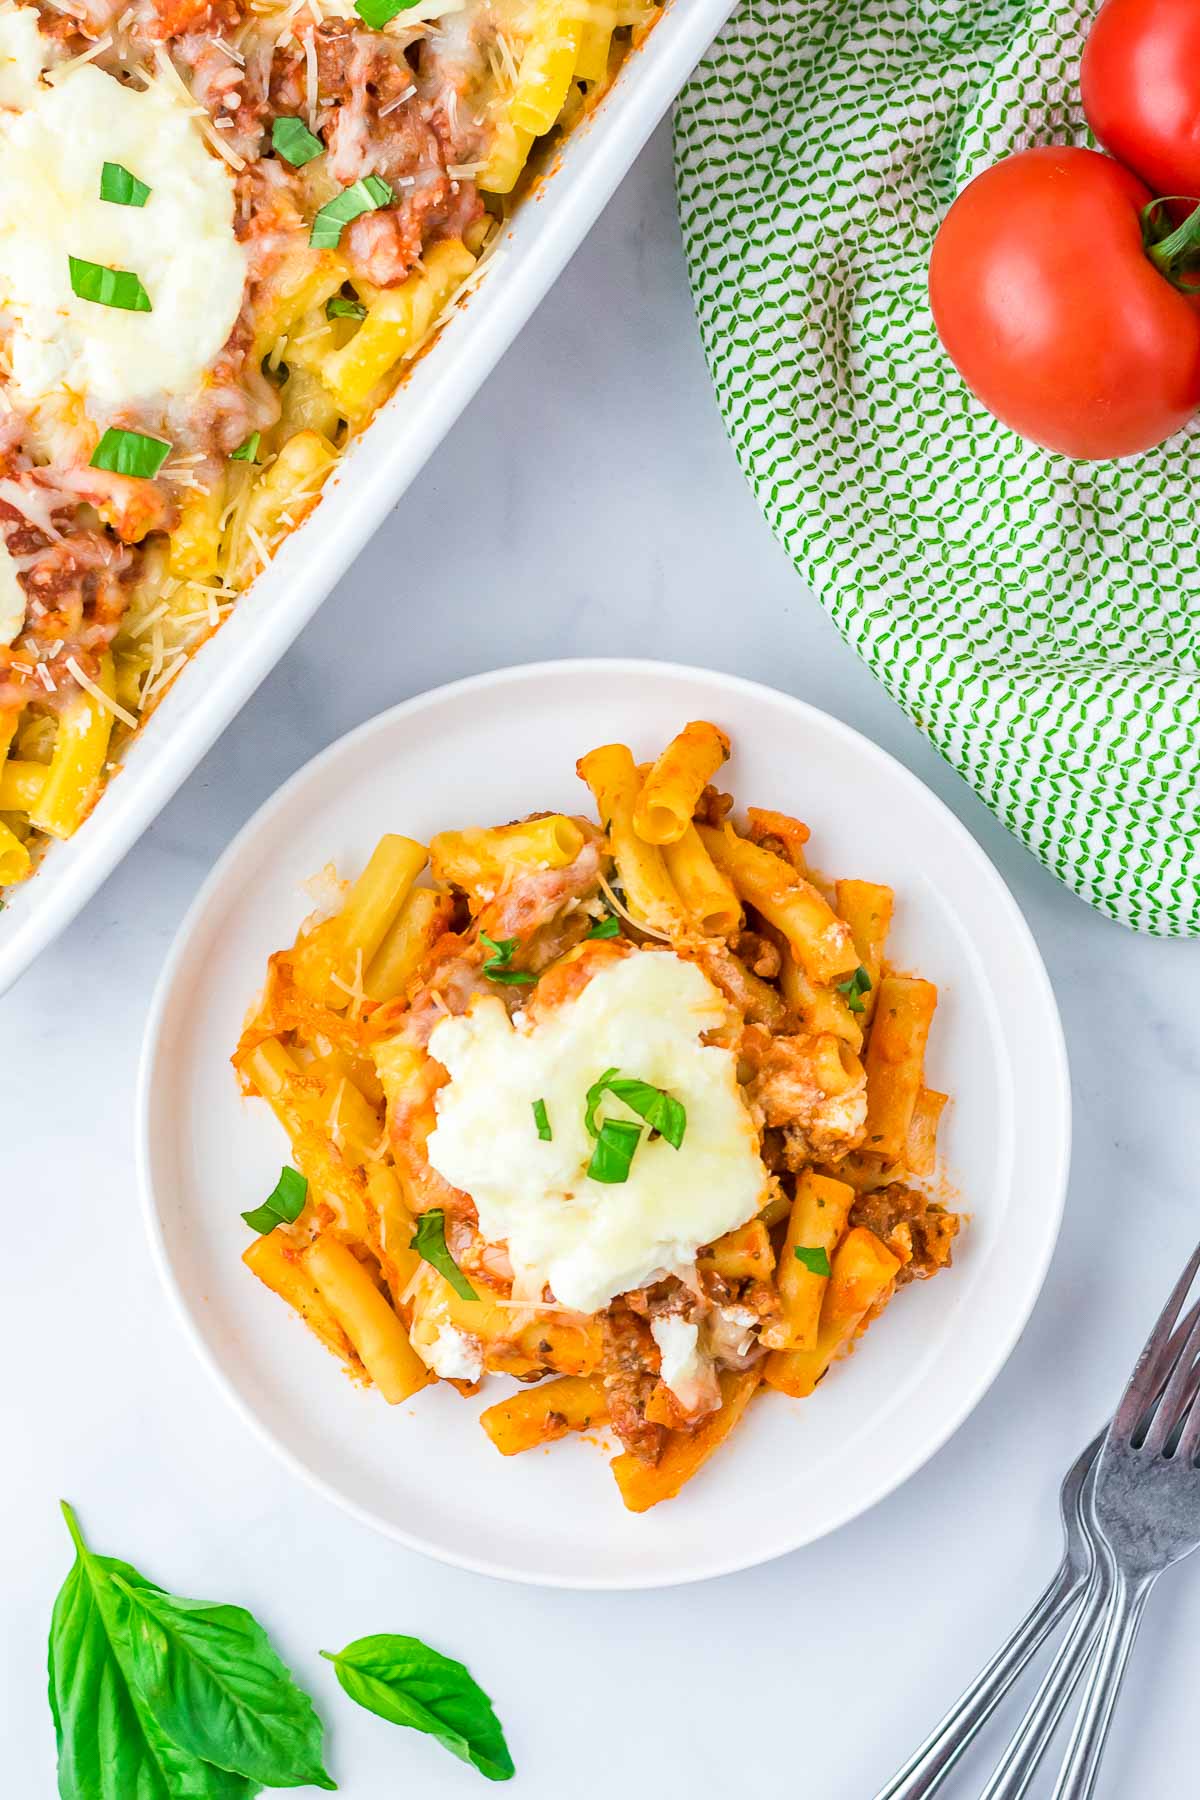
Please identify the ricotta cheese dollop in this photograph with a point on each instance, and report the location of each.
(181, 243)
(590, 1240)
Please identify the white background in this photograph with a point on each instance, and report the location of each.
(587, 503)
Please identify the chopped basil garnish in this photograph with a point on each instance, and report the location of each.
(378, 13)
(120, 288)
(291, 139)
(541, 1119)
(338, 307)
(121, 187)
(854, 987)
(365, 196)
(130, 453)
(615, 1145)
(496, 968)
(281, 1207)
(247, 452)
(661, 1111)
(814, 1257)
(608, 927)
(430, 1245)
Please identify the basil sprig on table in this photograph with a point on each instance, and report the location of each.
(404, 1681)
(497, 967)
(160, 1697)
(429, 1242)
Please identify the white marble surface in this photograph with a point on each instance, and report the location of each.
(624, 528)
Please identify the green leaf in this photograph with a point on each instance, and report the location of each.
(247, 451)
(496, 968)
(291, 139)
(614, 1150)
(608, 927)
(108, 287)
(130, 453)
(121, 187)
(429, 1243)
(378, 13)
(214, 1684)
(854, 987)
(339, 307)
(661, 1111)
(283, 1205)
(109, 1745)
(815, 1258)
(364, 196)
(541, 1119)
(404, 1681)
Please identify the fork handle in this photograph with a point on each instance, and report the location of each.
(929, 1766)
(1034, 1734)
(1081, 1765)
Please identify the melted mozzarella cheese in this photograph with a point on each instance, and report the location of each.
(181, 243)
(685, 1369)
(590, 1240)
(12, 597)
(21, 54)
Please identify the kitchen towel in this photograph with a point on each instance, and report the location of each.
(1036, 617)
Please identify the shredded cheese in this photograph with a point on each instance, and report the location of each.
(98, 694)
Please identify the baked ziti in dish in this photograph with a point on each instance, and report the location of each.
(628, 1108)
(226, 227)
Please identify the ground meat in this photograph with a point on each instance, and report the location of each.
(922, 1230)
(792, 1090)
(78, 589)
(759, 954)
(631, 1361)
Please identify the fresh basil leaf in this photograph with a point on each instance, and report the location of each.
(541, 1119)
(108, 287)
(404, 1681)
(339, 307)
(214, 1684)
(496, 968)
(109, 1744)
(130, 453)
(291, 139)
(378, 13)
(429, 1243)
(661, 1111)
(614, 1150)
(607, 927)
(815, 1258)
(364, 196)
(854, 987)
(283, 1205)
(248, 450)
(121, 187)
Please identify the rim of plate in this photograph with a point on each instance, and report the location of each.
(1057, 1169)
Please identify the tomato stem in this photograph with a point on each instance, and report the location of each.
(1173, 251)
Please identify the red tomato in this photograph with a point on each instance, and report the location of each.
(1141, 90)
(1053, 314)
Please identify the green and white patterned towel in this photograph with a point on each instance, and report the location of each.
(1036, 617)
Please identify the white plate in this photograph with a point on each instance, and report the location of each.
(366, 484)
(494, 748)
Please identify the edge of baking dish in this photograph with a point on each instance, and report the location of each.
(368, 482)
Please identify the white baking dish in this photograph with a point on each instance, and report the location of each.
(366, 485)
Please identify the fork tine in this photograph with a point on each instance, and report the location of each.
(1189, 1441)
(1170, 1408)
(1149, 1370)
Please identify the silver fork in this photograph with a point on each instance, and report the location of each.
(1145, 1511)
(1082, 1573)
(928, 1767)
